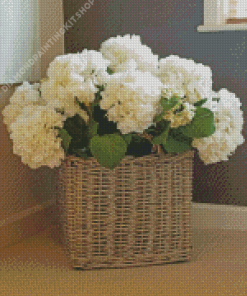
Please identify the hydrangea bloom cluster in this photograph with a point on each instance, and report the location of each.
(74, 76)
(229, 124)
(24, 95)
(135, 89)
(131, 99)
(180, 118)
(121, 50)
(35, 139)
(194, 80)
(176, 117)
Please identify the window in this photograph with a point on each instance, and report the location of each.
(223, 15)
(235, 11)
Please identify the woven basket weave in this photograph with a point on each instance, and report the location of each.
(135, 215)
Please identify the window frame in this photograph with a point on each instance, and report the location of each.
(214, 19)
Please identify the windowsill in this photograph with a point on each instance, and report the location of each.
(226, 27)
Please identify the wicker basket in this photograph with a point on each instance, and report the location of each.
(135, 215)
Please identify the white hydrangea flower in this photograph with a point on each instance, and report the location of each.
(180, 118)
(129, 65)
(74, 76)
(89, 64)
(34, 138)
(24, 95)
(60, 68)
(10, 113)
(84, 91)
(179, 73)
(121, 49)
(229, 124)
(210, 103)
(132, 100)
(168, 92)
(62, 100)
(96, 66)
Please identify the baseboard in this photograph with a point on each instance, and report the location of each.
(31, 221)
(26, 223)
(211, 216)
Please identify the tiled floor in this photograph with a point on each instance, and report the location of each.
(38, 266)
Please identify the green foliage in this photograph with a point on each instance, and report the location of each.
(100, 138)
(98, 96)
(167, 105)
(177, 142)
(92, 128)
(105, 126)
(82, 106)
(109, 149)
(202, 125)
(66, 139)
(200, 103)
(151, 129)
(78, 131)
(109, 71)
(139, 146)
(80, 152)
(179, 109)
(162, 138)
(127, 138)
(173, 145)
(216, 99)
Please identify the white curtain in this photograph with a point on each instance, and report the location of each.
(22, 33)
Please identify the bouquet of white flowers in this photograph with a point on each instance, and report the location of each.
(122, 101)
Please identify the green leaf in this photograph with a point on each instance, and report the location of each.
(200, 103)
(139, 146)
(177, 142)
(109, 71)
(161, 139)
(78, 130)
(92, 128)
(66, 138)
(167, 105)
(98, 96)
(151, 129)
(83, 106)
(127, 138)
(173, 145)
(80, 152)
(178, 110)
(75, 126)
(202, 125)
(159, 117)
(105, 126)
(109, 149)
(137, 138)
(101, 88)
(216, 99)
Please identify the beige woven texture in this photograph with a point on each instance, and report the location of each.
(135, 215)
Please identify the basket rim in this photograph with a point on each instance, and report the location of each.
(152, 156)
